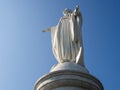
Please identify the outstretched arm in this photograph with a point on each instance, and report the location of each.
(47, 30)
(76, 11)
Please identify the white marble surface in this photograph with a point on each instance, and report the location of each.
(67, 37)
(69, 66)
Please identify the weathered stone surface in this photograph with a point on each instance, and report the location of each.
(69, 88)
(58, 80)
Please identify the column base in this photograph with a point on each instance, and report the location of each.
(65, 78)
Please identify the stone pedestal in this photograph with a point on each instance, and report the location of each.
(68, 76)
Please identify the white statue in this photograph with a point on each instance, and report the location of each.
(67, 43)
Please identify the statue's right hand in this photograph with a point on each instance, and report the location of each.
(46, 30)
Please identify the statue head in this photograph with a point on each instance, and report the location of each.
(77, 7)
(67, 12)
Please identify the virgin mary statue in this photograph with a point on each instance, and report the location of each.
(67, 37)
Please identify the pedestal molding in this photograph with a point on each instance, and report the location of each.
(68, 78)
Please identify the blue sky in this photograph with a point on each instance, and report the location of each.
(26, 53)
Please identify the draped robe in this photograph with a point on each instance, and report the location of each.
(67, 40)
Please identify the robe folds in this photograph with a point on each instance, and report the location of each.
(67, 40)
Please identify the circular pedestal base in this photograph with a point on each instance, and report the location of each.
(68, 80)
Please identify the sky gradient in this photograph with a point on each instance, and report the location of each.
(26, 52)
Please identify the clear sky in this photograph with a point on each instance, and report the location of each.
(26, 53)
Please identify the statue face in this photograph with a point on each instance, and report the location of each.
(67, 12)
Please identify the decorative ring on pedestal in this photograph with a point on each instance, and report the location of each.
(68, 78)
